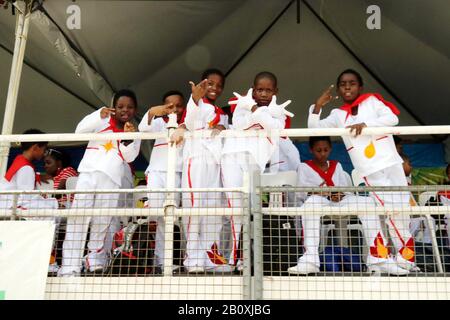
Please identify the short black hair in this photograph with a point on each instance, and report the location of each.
(211, 71)
(124, 93)
(172, 93)
(266, 75)
(314, 140)
(59, 155)
(27, 145)
(351, 71)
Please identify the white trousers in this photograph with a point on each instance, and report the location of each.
(77, 227)
(233, 167)
(158, 179)
(202, 232)
(398, 223)
(311, 226)
(446, 202)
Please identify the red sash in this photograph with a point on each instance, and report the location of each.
(328, 175)
(348, 107)
(19, 162)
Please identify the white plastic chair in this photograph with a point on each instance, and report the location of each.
(138, 196)
(48, 185)
(279, 179)
(71, 183)
(425, 196)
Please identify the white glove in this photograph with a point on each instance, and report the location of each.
(279, 110)
(246, 102)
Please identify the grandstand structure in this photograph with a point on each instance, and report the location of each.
(265, 255)
(270, 238)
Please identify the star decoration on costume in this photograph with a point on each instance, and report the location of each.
(108, 146)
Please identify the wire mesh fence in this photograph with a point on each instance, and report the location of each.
(284, 243)
(135, 244)
(339, 243)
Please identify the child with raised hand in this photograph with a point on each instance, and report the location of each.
(286, 157)
(318, 172)
(102, 167)
(258, 110)
(201, 170)
(374, 157)
(156, 120)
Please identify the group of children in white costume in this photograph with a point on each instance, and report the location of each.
(378, 162)
(215, 162)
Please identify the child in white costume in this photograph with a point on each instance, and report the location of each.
(102, 167)
(286, 157)
(323, 172)
(156, 120)
(201, 170)
(255, 111)
(374, 157)
(21, 175)
(444, 197)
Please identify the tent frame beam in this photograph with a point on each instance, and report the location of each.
(253, 45)
(46, 76)
(21, 34)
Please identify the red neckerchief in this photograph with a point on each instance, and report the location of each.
(328, 175)
(112, 126)
(19, 162)
(348, 107)
(218, 112)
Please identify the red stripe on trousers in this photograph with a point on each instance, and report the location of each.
(390, 220)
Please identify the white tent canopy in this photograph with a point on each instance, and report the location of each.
(155, 46)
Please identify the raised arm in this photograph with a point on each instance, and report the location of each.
(94, 121)
(148, 122)
(315, 111)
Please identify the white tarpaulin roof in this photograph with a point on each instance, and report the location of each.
(155, 46)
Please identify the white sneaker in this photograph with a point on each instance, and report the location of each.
(195, 269)
(407, 265)
(220, 268)
(240, 265)
(303, 268)
(92, 267)
(68, 272)
(389, 266)
(174, 268)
